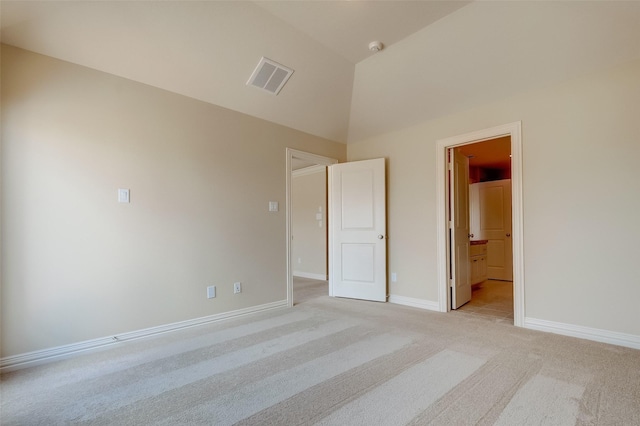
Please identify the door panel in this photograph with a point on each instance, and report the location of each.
(358, 230)
(358, 262)
(357, 199)
(492, 216)
(461, 279)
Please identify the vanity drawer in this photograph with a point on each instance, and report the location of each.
(477, 249)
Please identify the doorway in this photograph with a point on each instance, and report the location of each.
(356, 217)
(309, 238)
(490, 260)
(299, 160)
(446, 277)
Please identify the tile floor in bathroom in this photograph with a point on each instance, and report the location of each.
(491, 300)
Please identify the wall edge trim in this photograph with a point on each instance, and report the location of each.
(415, 303)
(310, 275)
(311, 170)
(588, 333)
(44, 356)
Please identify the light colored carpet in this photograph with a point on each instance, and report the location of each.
(336, 362)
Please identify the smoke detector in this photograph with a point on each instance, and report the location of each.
(269, 76)
(375, 46)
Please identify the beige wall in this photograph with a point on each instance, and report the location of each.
(581, 189)
(77, 265)
(309, 245)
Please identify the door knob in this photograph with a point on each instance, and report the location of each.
(470, 235)
(508, 235)
(380, 236)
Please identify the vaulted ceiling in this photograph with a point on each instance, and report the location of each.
(438, 56)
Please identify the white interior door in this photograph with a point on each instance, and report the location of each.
(459, 199)
(491, 209)
(358, 249)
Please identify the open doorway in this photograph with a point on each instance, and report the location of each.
(307, 218)
(446, 274)
(490, 253)
(356, 218)
(309, 238)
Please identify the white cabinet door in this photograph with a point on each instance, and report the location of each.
(491, 220)
(358, 230)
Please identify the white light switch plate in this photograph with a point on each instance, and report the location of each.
(273, 206)
(123, 195)
(211, 292)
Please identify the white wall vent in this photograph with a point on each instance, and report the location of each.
(269, 76)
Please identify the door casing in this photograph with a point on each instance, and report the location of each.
(514, 130)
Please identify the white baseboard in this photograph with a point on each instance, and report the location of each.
(310, 275)
(595, 334)
(416, 303)
(44, 356)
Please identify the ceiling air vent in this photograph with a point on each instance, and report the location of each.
(269, 76)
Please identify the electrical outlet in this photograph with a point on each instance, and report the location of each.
(237, 288)
(394, 277)
(211, 292)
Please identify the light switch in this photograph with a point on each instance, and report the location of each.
(211, 292)
(273, 206)
(318, 216)
(123, 195)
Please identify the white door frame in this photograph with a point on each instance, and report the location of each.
(514, 130)
(312, 158)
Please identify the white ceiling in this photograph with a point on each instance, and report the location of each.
(486, 51)
(439, 57)
(347, 27)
